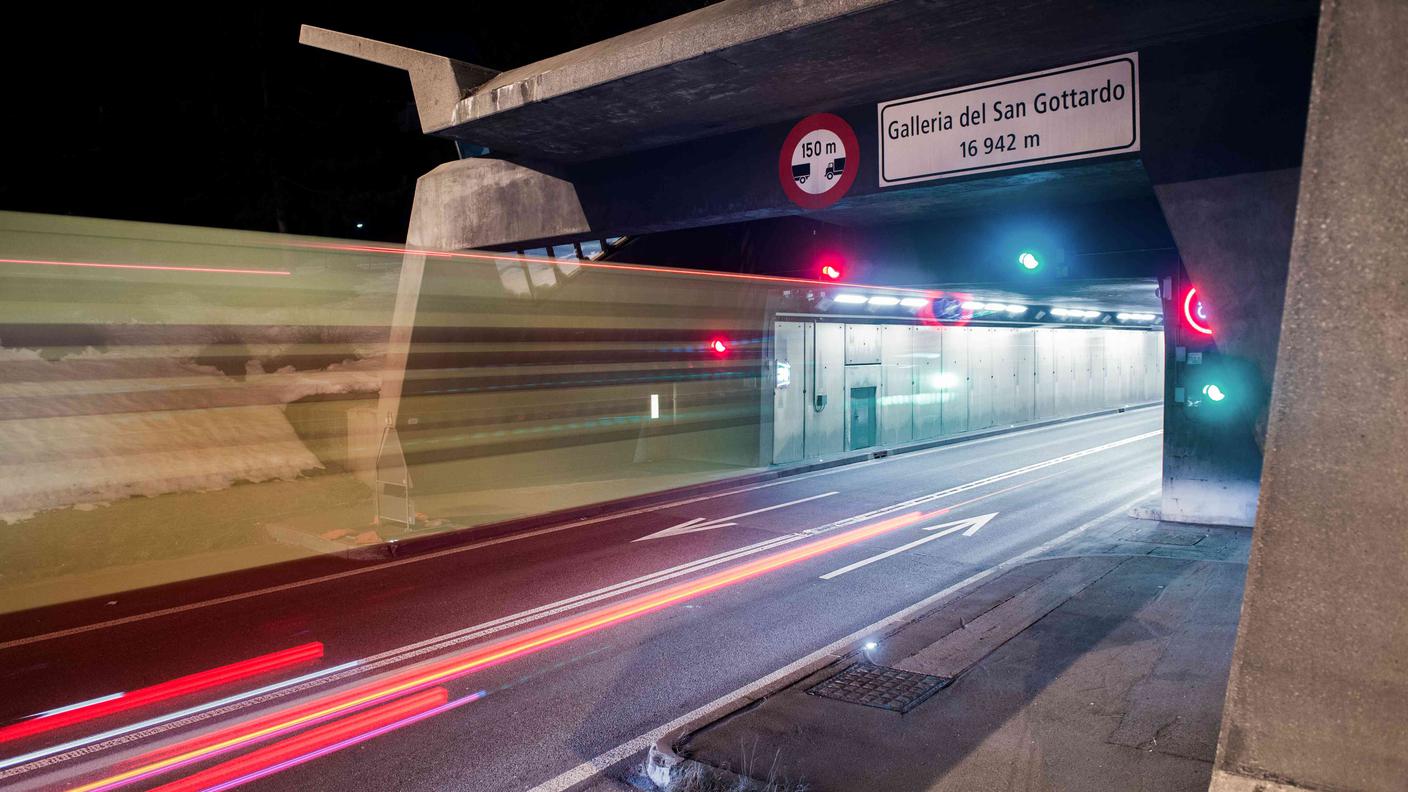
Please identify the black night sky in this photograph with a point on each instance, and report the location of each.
(223, 119)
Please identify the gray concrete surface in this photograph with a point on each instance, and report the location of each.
(438, 83)
(1234, 238)
(548, 713)
(1319, 684)
(1087, 672)
(742, 63)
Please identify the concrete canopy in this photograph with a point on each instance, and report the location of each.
(740, 64)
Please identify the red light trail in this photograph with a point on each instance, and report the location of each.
(347, 743)
(363, 725)
(465, 663)
(191, 683)
(601, 265)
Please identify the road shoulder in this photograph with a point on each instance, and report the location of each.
(1104, 668)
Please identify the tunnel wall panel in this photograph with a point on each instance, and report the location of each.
(928, 381)
(956, 378)
(897, 391)
(941, 381)
(825, 428)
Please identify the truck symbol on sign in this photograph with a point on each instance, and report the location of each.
(801, 172)
(835, 168)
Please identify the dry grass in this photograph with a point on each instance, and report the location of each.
(697, 777)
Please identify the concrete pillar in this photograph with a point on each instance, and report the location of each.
(1234, 238)
(469, 204)
(1319, 683)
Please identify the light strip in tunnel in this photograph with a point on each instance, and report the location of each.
(601, 265)
(157, 267)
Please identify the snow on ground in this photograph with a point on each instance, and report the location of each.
(96, 426)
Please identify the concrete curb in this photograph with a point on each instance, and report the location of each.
(417, 544)
(664, 765)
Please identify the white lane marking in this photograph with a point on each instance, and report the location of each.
(700, 524)
(139, 617)
(838, 649)
(72, 707)
(972, 524)
(922, 499)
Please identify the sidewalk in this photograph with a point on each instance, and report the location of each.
(1103, 670)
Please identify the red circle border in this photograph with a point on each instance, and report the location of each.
(1188, 313)
(842, 130)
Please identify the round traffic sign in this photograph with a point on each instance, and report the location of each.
(818, 161)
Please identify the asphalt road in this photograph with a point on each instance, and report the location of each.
(563, 694)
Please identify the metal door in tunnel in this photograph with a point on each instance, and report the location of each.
(865, 385)
(862, 415)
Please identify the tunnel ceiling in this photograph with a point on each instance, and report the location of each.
(1114, 294)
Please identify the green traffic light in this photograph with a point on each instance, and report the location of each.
(1213, 392)
(1029, 260)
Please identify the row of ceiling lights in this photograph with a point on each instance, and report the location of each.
(1074, 313)
(994, 307)
(882, 300)
(920, 302)
(973, 305)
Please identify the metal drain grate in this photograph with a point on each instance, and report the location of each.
(879, 686)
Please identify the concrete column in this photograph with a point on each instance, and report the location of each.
(1234, 238)
(403, 317)
(462, 205)
(1319, 684)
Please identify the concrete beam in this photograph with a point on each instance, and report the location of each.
(489, 203)
(1319, 681)
(438, 83)
(740, 64)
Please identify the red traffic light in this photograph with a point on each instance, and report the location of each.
(1195, 314)
(830, 266)
(718, 346)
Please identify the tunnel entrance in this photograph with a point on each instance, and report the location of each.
(851, 385)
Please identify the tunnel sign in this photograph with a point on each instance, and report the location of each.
(818, 161)
(1069, 113)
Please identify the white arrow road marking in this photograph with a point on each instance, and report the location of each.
(840, 648)
(971, 523)
(700, 524)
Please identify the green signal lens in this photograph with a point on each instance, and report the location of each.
(1214, 393)
(1029, 260)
